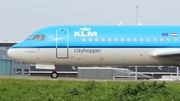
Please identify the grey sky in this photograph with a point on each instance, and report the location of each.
(19, 18)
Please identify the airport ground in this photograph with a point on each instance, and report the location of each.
(59, 78)
(27, 77)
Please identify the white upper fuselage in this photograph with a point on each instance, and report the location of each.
(100, 45)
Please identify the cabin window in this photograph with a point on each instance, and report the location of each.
(175, 39)
(128, 39)
(148, 39)
(90, 39)
(141, 39)
(135, 39)
(103, 39)
(83, 39)
(155, 39)
(96, 39)
(115, 39)
(168, 39)
(161, 39)
(109, 39)
(122, 39)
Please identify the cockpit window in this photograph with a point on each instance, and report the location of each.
(30, 37)
(37, 37)
(43, 37)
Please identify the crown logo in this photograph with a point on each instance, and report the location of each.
(85, 29)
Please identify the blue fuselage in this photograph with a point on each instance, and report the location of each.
(105, 37)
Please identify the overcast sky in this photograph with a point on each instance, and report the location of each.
(19, 18)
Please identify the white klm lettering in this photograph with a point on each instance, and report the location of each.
(85, 32)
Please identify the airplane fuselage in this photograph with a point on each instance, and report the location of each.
(100, 45)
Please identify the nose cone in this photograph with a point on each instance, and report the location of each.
(13, 54)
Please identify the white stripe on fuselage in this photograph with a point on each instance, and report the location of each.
(95, 56)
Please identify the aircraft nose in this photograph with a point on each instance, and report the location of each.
(13, 54)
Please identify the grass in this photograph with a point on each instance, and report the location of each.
(66, 90)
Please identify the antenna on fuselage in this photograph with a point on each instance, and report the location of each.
(120, 23)
(139, 24)
(137, 16)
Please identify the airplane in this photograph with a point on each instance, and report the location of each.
(99, 45)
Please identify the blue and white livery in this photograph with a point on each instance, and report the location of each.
(98, 45)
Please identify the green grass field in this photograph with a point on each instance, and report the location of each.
(66, 90)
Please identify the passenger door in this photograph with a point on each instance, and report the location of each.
(62, 47)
